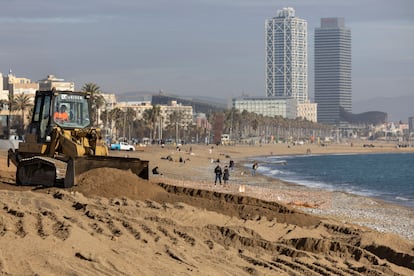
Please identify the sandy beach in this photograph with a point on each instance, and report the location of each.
(179, 222)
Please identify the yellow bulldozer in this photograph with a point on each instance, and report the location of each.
(61, 143)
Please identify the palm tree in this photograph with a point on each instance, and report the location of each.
(138, 128)
(116, 119)
(96, 98)
(11, 106)
(232, 122)
(105, 119)
(130, 116)
(146, 118)
(150, 116)
(22, 102)
(237, 124)
(245, 122)
(175, 120)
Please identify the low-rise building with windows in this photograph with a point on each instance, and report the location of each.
(267, 106)
(307, 111)
(179, 112)
(16, 85)
(411, 125)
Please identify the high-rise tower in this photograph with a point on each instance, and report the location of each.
(286, 56)
(333, 81)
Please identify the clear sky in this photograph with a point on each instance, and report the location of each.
(195, 47)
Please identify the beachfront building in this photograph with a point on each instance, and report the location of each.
(333, 82)
(139, 107)
(267, 106)
(183, 112)
(176, 113)
(411, 125)
(51, 82)
(286, 56)
(307, 111)
(4, 93)
(171, 114)
(16, 87)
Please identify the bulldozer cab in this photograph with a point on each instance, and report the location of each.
(67, 109)
(71, 110)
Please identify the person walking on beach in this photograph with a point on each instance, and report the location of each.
(231, 165)
(218, 172)
(226, 174)
(254, 168)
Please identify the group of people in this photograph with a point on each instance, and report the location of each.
(225, 174)
(222, 173)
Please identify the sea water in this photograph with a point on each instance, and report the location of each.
(389, 176)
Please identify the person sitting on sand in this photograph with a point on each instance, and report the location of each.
(169, 158)
(155, 171)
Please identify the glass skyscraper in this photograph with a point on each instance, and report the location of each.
(286, 56)
(333, 81)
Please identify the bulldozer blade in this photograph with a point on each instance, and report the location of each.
(36, 171)
(79, 165)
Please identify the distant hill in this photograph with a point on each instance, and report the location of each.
(134, 96)
(397, 108)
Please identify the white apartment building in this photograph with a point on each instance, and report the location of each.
(138, 106)
(286, 56)
(184, 112)
(267, 106)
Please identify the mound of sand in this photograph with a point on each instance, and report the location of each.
(111, 182)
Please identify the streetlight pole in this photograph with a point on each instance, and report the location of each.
(176, 132)
(160, 128)
(124, 124)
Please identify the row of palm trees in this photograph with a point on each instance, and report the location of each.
(244, 125)
(151, 125)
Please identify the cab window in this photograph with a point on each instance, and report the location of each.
(71, 111)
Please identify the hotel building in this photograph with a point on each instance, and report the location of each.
(333, 81)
